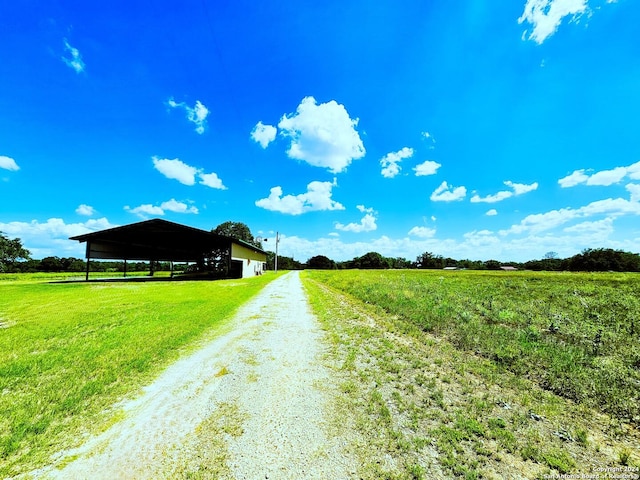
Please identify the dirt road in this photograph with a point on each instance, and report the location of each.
(251, 404)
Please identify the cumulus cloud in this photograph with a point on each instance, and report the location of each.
(426, 168)
(491, 213)
(446, 193)
(85, 210)
(211, 180)
(145, 209)
(521, 188)
(422, 232)
(196, 114)
(48, 238)
(496, 197)
(8, 163)
(172, 205)
(316, 198)
(264, 134)
(176, 169)
(367, 224)
(541, 222)
(75, 59)
(634, 190)
(545, 16)
(390, 162)
(322, 135)
(518, 189)
(602, 178)
(604, 226)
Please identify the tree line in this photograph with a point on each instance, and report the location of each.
(15, 258)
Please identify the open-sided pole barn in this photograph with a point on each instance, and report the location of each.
(161, 240)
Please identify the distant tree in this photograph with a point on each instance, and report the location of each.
(400, 262)
(284, 263)
(604, 259)
(550, 255)
(371, 260)
(492, 265)
(51, 264)
(237, 230)
(11, 252)
(429, 260)
(320, 262)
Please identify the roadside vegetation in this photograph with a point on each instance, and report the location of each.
(69, 352)
(485, 374)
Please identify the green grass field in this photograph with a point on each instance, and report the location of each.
(577, 335)
(484, 374)
(70, 351)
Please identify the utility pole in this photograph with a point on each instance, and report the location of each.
(276, 259)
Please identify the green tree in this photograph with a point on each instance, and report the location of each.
(320, 262)
(371, 260)
(237, 230)
(11, 252)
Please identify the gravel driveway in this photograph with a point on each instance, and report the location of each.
(265, 374)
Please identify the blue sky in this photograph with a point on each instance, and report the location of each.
(472, 129)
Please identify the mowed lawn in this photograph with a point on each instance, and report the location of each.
(70, 351)
(575, 334)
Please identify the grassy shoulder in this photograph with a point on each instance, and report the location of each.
(425, 408)
(69, 352)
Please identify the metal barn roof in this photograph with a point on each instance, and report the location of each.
(156, 239)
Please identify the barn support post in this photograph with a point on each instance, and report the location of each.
(125, 267)
(86, 277)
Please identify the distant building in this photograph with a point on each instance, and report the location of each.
(159, 240)
(508, 268)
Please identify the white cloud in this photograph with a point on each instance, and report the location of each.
(576, 178)
(521, 188)
(75, 61)
(264, 134)
(497, 197)
(422, 232)
(196, 114)
(178, 207)
(367, 224)
(211, 180)
(145, 209)
(86, 210)
(364, 209)
(445, 193)
(491, 213)
(322, 135)
(541, 222)
(430, 138)
(607, 177)
(545, 16)
(317, 197)
(390, 162)
(602, 227)
(603, 178)
(518, 189)
(8, 163)
(426, 168)
(49, 238)
(634, 190)
(176, 169)
(170, 205)
(634, 171)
